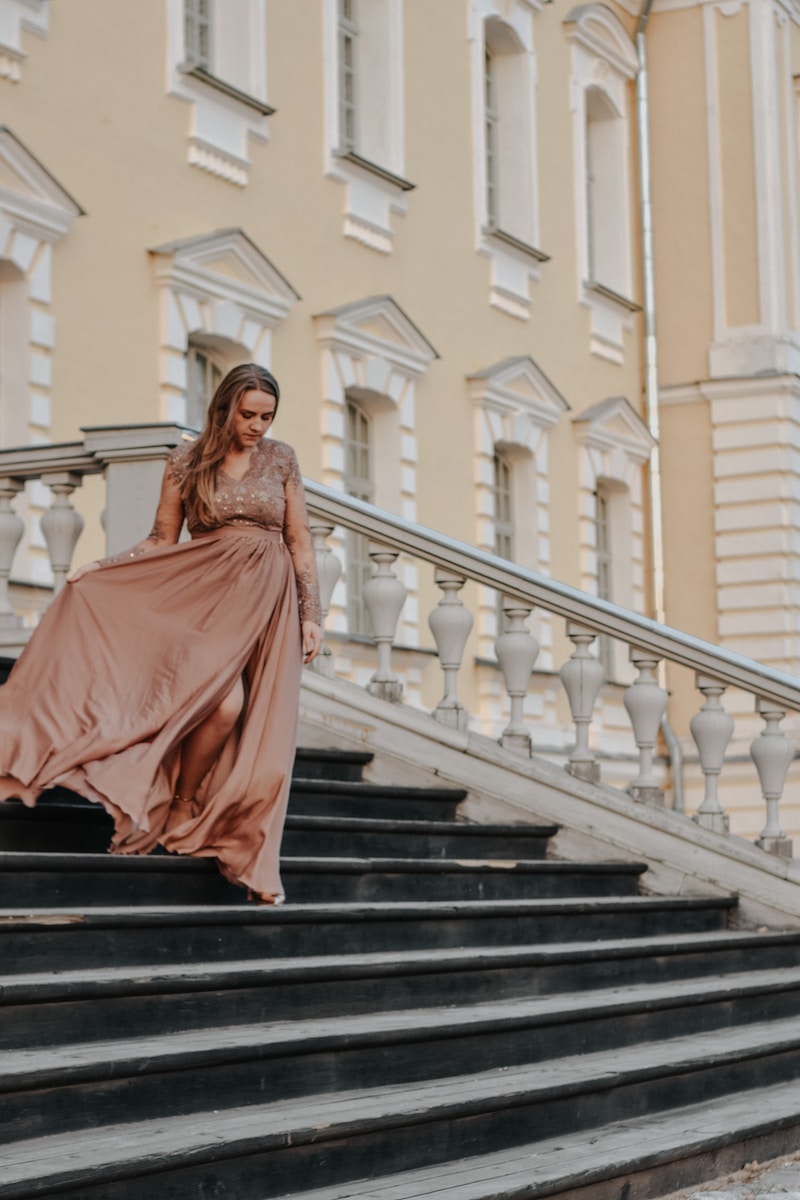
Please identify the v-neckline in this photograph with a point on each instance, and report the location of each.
(233, 478)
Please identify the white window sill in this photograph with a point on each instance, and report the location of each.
(227, 89)
(374, 193)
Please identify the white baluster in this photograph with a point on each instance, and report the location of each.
(450, 623)
(12, 528)
(61, 525)
(711, 729)
(772, 753)
(384, 597)
(329, 568)
(582, 676)
(517, 650)
(646, 702)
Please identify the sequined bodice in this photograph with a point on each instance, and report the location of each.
(257, 499)
(270, 495)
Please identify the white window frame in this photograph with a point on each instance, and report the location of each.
(372, 168)
(198, 26)
(614, 446)
(358, 483)
(36, 212)
(229, 103)
(374, 355)
(515, 407)
(347, 67)
(505, 140)
(18, 17)
(205, 369)
(218, 292)
(604, 63)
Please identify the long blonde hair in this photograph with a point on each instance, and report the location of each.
(209, 451)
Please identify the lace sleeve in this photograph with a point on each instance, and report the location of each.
(297, 536)
(169, 515)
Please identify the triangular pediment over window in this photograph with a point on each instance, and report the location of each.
(228, 265)
(518, 385)
(29, 191)
(377, 326)
(614, 424)
(601, 32)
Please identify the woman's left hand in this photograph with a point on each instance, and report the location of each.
(312, 640)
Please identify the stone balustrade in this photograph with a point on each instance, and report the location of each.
(131, 461)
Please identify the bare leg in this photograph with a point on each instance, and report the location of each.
(200, 751)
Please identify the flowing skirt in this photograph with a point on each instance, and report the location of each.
(131, 658)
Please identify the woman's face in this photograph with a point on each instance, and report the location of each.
(253, 418)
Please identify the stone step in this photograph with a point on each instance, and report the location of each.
(331, 798)
(67, 938)
(368, 837)
(63, 821)
(98, 880)
(259, 1151)
(37, 1008)
(76, 1086)
(637, 1159)
(345, 765)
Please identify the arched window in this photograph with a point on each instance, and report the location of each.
(505, 140)
(509, 133)
(604, 66)
(358, 483)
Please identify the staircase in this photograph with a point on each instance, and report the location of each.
(439, 1011)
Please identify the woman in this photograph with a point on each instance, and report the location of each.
(163, 682)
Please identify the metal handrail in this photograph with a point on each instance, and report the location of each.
(540, 590)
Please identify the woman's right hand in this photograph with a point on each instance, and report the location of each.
(79, 572)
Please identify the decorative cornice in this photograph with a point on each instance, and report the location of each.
(40, 206)
(518, 385)
(358, 328)
(614, 424)
(189, 263)
(598, 30)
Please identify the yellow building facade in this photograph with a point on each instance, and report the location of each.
(424, 216)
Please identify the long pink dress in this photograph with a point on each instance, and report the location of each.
(128, 660)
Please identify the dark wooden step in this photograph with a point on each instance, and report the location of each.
(100, 880)
(63, 939)
(76, 1086)
(369, 837)
(38, 1008)
(268, 1150)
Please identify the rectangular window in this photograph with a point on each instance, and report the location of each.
(358, 483)
(603, 550)
(197, 33)
(348, 32)
(203, 377)
(503, 521)
(491, 126)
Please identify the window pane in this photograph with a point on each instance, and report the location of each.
(198, 33)
(358, 483)
(348, 32)
(503, 520)
(203, 377)
(491, 121)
